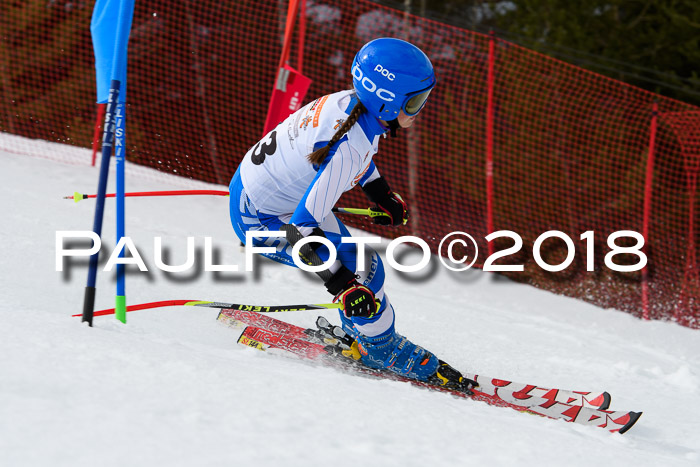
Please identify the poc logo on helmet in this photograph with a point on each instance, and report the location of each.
(386, 73)
(369, 85)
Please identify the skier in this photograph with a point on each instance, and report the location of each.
(298, 171)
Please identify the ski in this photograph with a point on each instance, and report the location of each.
(263, 332)
(614, 421)
(597, 400)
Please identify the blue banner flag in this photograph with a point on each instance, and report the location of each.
(110, 27)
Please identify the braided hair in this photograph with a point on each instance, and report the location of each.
(319, 155)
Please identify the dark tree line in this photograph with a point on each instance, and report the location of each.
(653, 44)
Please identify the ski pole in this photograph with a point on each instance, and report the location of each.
(370, 212)
(237, 306)
(77, 196)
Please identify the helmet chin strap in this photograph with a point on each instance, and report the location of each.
(393, 126)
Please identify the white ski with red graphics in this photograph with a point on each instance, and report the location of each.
(586, 408)
(597, 400)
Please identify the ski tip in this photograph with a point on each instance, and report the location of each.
(606, 401)
(634, 416)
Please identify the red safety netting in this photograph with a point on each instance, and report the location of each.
(569, 150)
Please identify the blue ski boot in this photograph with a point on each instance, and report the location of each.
(389, 351)
(395, 353)
(399, 355)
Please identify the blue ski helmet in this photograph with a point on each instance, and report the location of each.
(390, 75)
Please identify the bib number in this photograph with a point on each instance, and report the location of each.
(264, 148)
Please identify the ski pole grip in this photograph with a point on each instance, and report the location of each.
(370, 212)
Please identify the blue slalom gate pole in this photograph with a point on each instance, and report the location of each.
(121, 42)
(119, 154)
(110, 27)
(107, 140)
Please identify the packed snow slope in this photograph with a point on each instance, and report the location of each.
(172, 387)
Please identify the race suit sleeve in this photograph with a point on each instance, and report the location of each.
(371, 174)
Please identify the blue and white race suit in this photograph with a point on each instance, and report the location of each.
(275, 184)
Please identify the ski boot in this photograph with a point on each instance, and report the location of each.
(397, 354)
(443, 375)
(391, 352)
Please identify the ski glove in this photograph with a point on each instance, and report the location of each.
(357, 299)
(390, 202)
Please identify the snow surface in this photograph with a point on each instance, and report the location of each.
(172, 387)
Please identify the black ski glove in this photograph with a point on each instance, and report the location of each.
(390, 202)
(357, 299)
